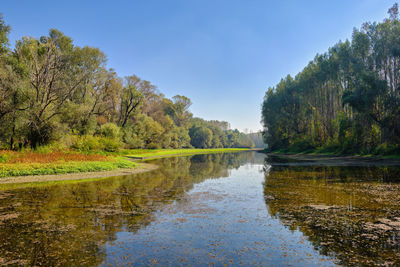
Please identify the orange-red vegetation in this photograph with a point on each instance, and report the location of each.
(34, 157)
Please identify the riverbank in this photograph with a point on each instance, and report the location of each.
(140, 168)
(338, 159)
(30, 167)
(332, 154)
(14, 164)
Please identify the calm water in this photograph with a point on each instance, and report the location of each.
(234, 209)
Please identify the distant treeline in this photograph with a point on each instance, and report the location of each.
(54, 92)
(345, 101)
(257, 138)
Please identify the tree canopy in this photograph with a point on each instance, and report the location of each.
(53, 92)
(345, 100)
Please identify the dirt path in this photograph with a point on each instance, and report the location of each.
(141, 167)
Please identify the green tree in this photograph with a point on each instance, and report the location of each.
(200, 137)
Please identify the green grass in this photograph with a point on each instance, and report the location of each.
(151, 153)
(43, 164)
(24, 169)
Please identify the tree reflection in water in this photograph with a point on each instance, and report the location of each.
(70, 223)
(349, 212)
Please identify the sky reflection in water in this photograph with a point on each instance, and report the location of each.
(224, 208)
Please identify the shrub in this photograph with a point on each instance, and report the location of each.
(3, 158)
(87, 143)
(110, 130)
(110, 145)
(387, 149)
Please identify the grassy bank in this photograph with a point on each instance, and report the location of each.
(155, 153)
(35, 163)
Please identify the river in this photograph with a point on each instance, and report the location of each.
(242, 208)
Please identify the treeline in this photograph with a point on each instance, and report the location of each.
(54, 92)
(345, 101)
(257, 138)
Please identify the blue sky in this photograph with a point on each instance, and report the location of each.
(221, 54)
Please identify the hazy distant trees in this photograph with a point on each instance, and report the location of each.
(54, 92)
(346, 100)
(257, 139)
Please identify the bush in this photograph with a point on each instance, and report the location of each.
(386, 149)
(110, 130)
(301, 145)
(3, 158)
(44, 149)
(87, 143)
(110, 145)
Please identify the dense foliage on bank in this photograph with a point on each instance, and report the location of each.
(54, 92)
(346, 100)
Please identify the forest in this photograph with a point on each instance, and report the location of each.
(345, 101)
(54, 93)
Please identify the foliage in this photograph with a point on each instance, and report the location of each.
(345, 101)
(201, 137)
(257, 139)
(54, 93)
(110, 130)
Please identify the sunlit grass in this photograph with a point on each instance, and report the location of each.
(59, 167)
(24, 163)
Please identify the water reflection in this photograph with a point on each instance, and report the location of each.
(70, 223)
(219, 209)
(348, 211)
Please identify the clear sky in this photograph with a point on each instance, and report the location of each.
(221, 54)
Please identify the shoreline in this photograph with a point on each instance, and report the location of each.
(332, 157)
(138, 158)
(141, 168)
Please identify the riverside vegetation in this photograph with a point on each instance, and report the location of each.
(62, 110)
(345, 101)
(55, 93)
(243, 208)
(42, 162)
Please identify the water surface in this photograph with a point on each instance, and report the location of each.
(234, 209)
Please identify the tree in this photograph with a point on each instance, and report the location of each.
(178, 110)
(4, 31)
(57, 69)
(131, 98)
(345, 100)
(52, 90)
(200, 137)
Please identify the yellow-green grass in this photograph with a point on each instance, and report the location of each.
(34, 163)
(153, 153)
(59, 167)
